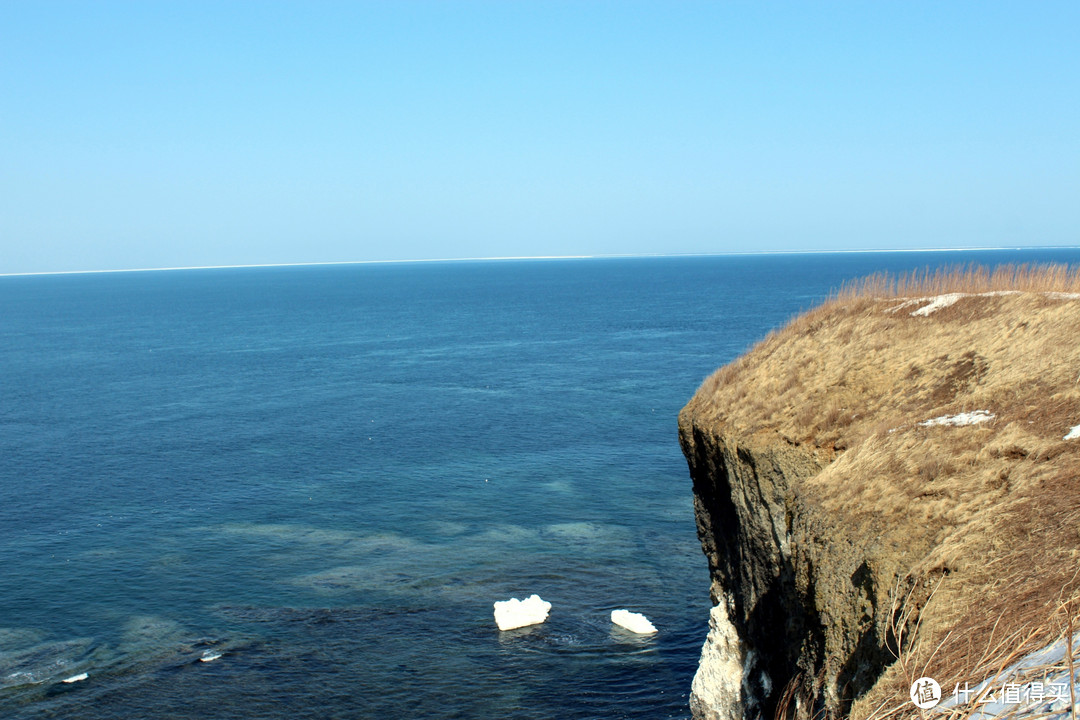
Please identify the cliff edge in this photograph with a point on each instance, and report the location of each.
(889, 485)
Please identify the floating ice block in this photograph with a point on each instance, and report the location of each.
(634, 622)
(514, 613)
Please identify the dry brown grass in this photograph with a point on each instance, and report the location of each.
(992, 509)
(965, 279)
(999, 653)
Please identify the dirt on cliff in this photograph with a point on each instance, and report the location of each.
(891, 485)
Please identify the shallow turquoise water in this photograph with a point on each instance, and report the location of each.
(329, 474)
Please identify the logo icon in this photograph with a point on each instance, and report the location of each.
(925, 693)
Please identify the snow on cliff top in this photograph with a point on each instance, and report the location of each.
(937, 302)
(969, 418)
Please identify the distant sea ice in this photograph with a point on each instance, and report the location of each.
(514, 613)
(634, 622)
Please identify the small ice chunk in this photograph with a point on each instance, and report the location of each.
(1074, 434)
(514, 613)
(75, 678)
(969, 418)
(209, 656)
(634, 622)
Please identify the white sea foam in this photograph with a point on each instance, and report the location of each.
(75, 678)
(209, 656)
(514, 613)
(634, 622)
(21, 678)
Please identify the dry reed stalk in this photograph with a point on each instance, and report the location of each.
(784, 706)
(964, 279)
(1069, 634)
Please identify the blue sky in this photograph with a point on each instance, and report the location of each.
(156, 134)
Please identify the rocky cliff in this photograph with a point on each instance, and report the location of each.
(886, 486)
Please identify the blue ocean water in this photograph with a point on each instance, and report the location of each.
(327, 475)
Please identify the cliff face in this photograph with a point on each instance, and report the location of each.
(799, 599)
(854, 506)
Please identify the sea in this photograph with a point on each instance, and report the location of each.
(296, 492)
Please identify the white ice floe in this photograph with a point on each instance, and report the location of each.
(514, 613)
(75, 678)
(969, 418)
(634, 622)
(209, 656)
(1074, 434)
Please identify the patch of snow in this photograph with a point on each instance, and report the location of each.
(1074, 434)
(901, 306)
(1062, 296)
(969, 418)
(1036, 686)
(75, 678)
(938, 302)
(634, 622)
(514, 613)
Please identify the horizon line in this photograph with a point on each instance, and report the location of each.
(499, 258)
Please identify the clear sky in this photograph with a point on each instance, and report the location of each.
(151, 134)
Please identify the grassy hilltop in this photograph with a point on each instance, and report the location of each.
(934, 412)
